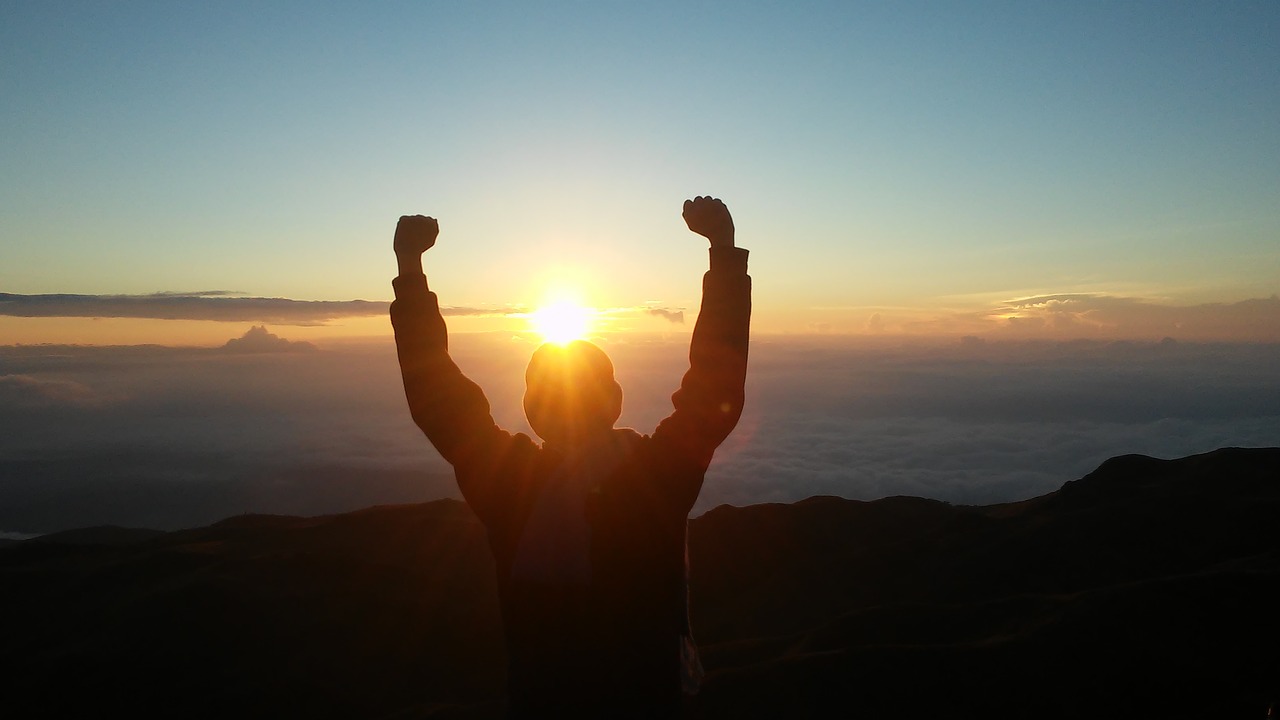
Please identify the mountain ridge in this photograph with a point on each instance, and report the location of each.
(1110, 594)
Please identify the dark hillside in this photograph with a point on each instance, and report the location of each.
(1148, 586)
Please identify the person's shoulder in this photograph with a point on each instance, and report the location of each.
(630, 442)
(503, 448)
(523, 444)
(629, 436)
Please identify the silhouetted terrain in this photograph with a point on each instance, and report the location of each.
(1147, 587)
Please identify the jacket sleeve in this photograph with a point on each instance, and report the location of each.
(709, 401)
(449, 408)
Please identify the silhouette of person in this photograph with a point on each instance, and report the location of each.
(587, 530)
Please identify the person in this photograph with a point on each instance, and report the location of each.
(588, 529)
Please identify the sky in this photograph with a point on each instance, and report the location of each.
(1089, 169)
(992, 243)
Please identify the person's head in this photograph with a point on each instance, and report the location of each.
(570, 392)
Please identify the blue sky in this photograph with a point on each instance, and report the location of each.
(915, 162)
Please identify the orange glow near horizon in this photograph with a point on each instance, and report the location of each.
(143, 331)
(568, 312)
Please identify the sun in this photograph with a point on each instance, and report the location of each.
(561, 321)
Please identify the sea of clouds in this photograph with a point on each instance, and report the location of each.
(166, 437)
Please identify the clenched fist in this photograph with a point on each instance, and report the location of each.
(415, 234)
(709, 217)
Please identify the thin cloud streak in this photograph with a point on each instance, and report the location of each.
(1069, 316)
(226, 306)
(215, 305)
(1136, 317)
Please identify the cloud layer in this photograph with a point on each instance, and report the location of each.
(171, 437)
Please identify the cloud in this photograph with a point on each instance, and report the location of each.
(1112, 316)
(218, 305)
(194, 435)
(200, 293)
(210, 305)
(197, 435)
(963, 462)
(674, 316)
(258, 339)
(1099, 316)
(451, 311)
(27, 391)
(967, 421)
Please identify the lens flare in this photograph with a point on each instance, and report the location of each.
(561, 321)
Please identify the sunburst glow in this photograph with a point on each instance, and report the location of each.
(562, 321)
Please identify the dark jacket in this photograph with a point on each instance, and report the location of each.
(612, 645)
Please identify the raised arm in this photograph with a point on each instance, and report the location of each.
(709, 401)
(451, 410)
